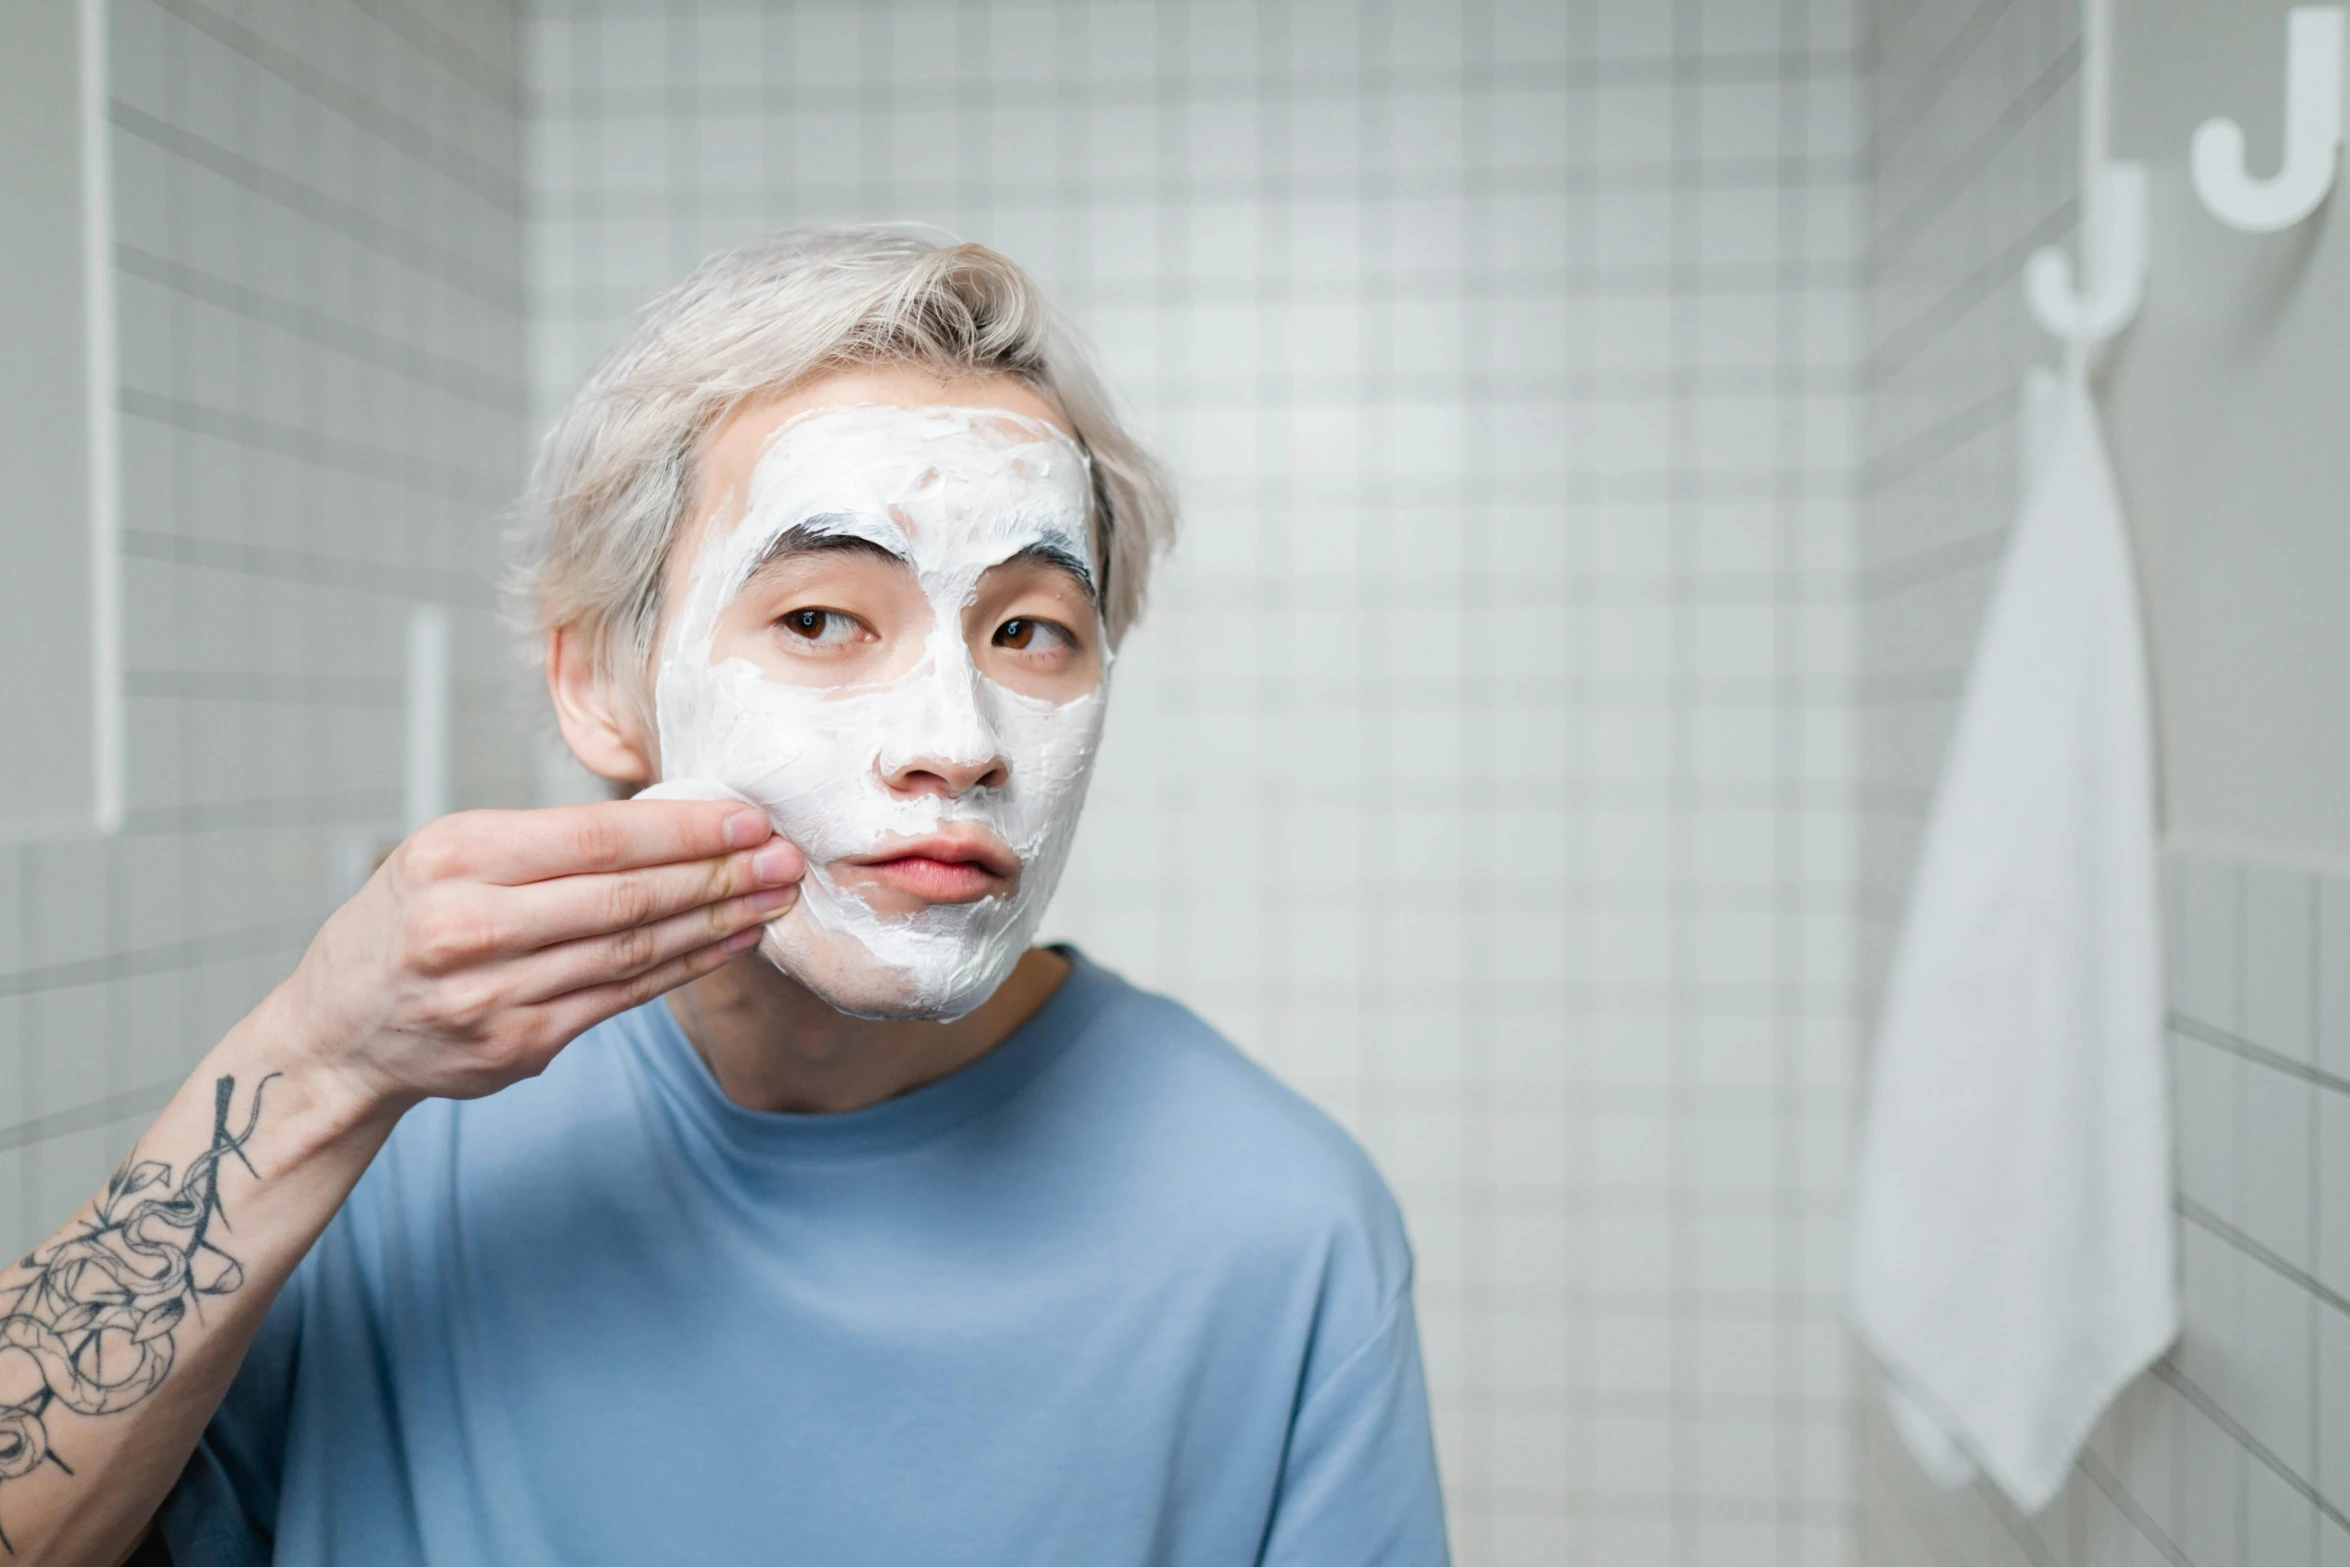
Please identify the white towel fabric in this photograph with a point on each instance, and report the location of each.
(2013, 1242)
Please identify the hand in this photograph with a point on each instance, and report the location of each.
(491, 939)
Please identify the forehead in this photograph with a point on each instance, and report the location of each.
(730, 453)
(734, 456)
(951, 490)
(732, 450)
(919, 466)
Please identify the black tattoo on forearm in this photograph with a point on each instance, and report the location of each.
(97, 1315)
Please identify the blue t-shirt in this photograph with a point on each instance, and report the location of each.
(1108, 1295)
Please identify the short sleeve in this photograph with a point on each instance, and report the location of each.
(1359, 1482)
(223, 1510)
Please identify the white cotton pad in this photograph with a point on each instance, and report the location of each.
(691, 789)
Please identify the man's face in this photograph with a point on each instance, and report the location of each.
(884, 632)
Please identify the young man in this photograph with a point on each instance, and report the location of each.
(897, 1240)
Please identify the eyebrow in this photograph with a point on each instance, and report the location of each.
(1060, 558)
(815, 537)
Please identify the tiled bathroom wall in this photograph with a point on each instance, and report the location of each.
(317, 226)
(2235, 1450)
(1486, 765)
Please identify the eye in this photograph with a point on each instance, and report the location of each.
(824, 626)
(1024, 635)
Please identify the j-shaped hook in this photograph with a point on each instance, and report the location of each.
(2313, 135)
(2082, 316)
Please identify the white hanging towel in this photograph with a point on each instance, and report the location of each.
(2013, 1242)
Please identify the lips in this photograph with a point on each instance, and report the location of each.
(943, 869)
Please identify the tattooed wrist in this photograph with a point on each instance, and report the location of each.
(95, 1313)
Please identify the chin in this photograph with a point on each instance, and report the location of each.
(935, 977)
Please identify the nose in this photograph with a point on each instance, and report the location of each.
(944, 745)
(945, 776)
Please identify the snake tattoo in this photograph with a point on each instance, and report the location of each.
(96, 1317)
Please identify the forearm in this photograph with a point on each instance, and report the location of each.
(120, 1333)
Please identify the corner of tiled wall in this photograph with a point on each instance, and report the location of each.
(317, 272)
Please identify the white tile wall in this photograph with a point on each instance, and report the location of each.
(1487, 764)
(317, 270)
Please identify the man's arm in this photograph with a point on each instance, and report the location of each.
(485, 944)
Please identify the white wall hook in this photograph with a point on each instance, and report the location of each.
(2116, 239)
(2313, 135)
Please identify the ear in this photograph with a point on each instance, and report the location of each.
(604, 728)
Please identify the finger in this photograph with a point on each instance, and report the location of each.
(623, 955)
(514, 847)
(569, 908)
(567, 1017)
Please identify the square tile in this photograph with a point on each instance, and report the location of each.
(2333, 975)
(2333, 1191)
(2271, 1386)
(2331, 1392)
(2207, 940)
(2208, 1484)
(2280, 1522)
(2279, 1177)
(2280, 956)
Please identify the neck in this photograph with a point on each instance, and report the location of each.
(773, 1045)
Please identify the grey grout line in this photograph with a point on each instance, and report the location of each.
(1591, 1503)
(1921, 95)
(575, 304)
(1916, 454)
(1757, 67)
(2313, 1234)
(501, 188)
(356, 808)
(2211, 1409)
(500, 394)
(1912, 685)
(2127, 1505)
(501, 87)
(2211, 1223)
(81, 1118)
(2260, 1055)
(2020, 1531)
(184, 685)
(410, 471)
(1901, 1486)
(1932, 566)
(225, 947)
(1994, 278)
(307, 567)
(352, 220)
(1772, 175)
(1964, 172)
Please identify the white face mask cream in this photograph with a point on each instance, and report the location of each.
(952, 493)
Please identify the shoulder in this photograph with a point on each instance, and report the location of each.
(1236, 1147)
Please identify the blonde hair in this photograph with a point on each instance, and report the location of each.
(615, 475)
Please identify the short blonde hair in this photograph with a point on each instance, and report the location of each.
(615, 476)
